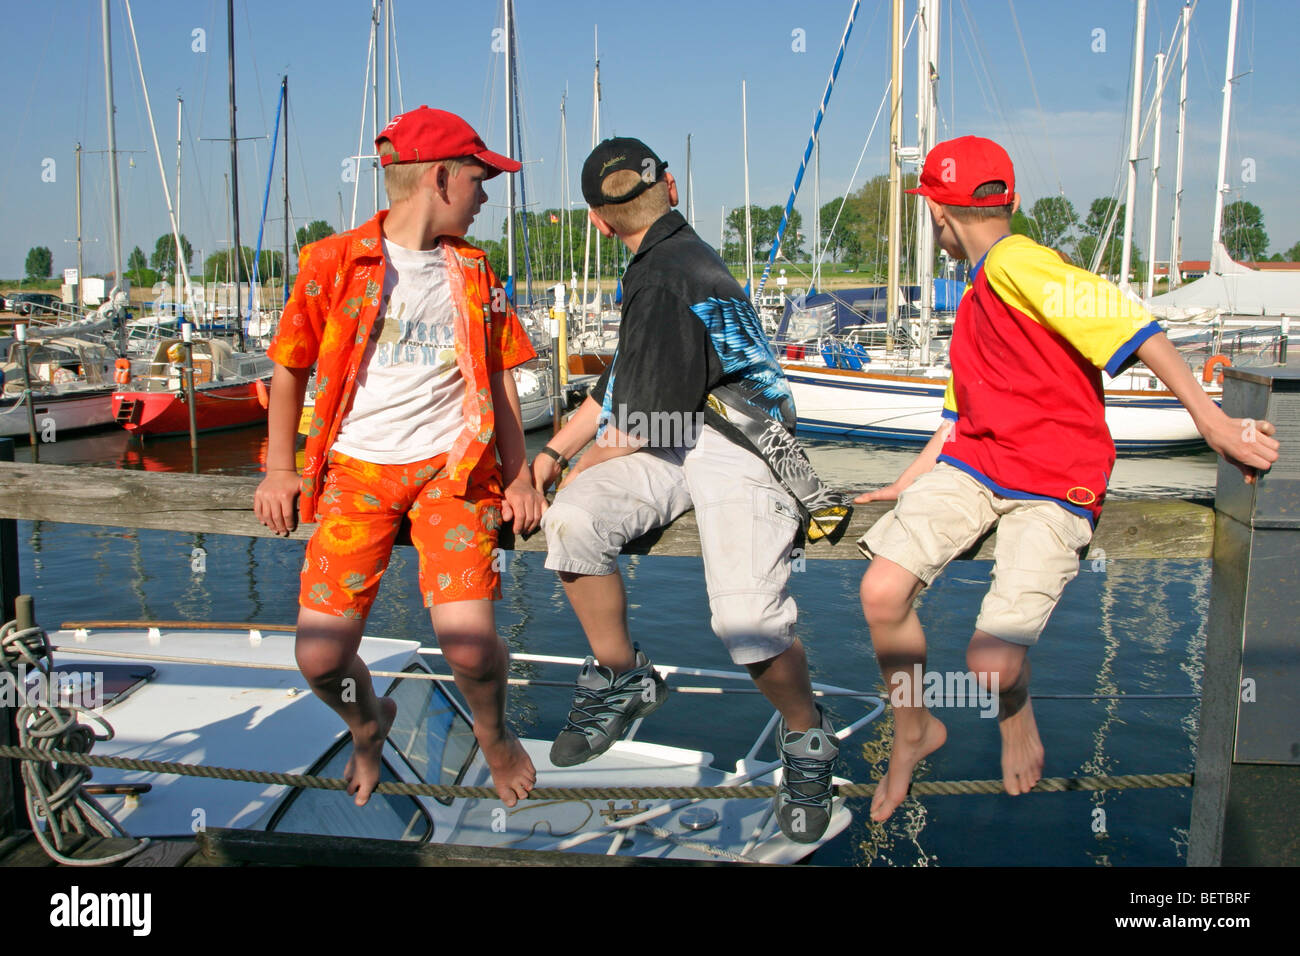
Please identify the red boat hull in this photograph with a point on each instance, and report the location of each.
(166, 413)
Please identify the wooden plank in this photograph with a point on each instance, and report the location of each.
(222, 504)
(165, 853)
(288, 849)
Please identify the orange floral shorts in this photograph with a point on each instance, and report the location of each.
(360, 514)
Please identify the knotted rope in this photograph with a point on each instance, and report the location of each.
(56, 742)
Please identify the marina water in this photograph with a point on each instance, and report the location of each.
(1123, 626)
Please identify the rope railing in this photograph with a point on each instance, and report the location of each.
(446, 792)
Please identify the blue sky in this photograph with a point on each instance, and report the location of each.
(667, 69)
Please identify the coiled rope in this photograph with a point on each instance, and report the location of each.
(57, 744)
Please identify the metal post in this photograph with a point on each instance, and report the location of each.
(1247, 794)
(20, 334)
(81, 271)
(187, 333)
(11, 786)
(559, 358)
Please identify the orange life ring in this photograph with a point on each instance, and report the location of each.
(122, 371)
(1213, 369)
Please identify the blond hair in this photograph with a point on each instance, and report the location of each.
(640, 213)
(980, 213)
(401, 179)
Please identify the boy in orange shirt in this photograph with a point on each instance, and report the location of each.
(413, 340)
(1023, 446)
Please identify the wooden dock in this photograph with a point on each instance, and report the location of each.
(1247, 792)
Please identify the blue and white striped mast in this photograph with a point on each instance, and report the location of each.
(807, 153)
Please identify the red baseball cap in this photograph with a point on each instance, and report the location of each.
(423, 135)
(955, 168)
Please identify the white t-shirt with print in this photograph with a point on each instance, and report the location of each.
(407, 403)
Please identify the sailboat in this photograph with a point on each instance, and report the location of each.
(230, 384)
(856, 387)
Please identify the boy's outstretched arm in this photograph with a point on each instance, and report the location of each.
(273, 502)
(1246, 443)
(919, 466)
(577, 432)
(521, 503)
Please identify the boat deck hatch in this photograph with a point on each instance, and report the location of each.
(88, 686)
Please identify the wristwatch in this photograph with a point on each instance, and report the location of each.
(559, 459)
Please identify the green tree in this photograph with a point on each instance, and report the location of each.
(270, 265)
(1022, 225)
(1243, 231)
(218, 268)
(164, 254)
(313, 232)
(1293, 254)
(136, 260)
(1055, 218)
(1094, 227)
(40, 263)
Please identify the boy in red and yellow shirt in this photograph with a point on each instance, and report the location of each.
(413, 340)
(1024, 446)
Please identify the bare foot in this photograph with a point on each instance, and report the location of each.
(1022, 751)
(362, 771)
(904, 755)
(513, 773)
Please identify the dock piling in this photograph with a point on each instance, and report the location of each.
(1247, 793)
(10, 777)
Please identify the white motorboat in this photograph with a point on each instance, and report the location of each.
(234, 698)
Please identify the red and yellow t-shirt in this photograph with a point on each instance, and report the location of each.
(327, 323)
(1030, 337)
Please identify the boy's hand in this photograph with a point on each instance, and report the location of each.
(276, 498)
(545, 472)
(887, 493)
(1244, 442)
(523, 505)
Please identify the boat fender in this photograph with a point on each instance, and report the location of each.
(263, 396)
(122, 371)
(1214, 366)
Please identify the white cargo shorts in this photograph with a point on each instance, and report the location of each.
(747, 525)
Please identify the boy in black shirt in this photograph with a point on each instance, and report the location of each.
(693, 411)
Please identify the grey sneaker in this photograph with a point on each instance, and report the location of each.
(604, 706)
(803, 805)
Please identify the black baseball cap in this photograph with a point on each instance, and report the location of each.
(612, 155)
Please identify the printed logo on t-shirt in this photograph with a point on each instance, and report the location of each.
(401, 341)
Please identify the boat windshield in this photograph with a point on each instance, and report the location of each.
(430, 731)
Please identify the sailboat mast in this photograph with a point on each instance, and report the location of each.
(510, 140)
(1155, 177)
(566, 248)
(895, 182)
(284, 85)
(927, 52)
(749, 227)
(1134, 141)
(689, 216)
(178, 289)
(234, 171)
(112, 174)
(81, 271)
(1218, 254)
(374, 97)
(1175, 233)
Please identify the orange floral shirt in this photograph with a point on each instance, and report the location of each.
(328, 319)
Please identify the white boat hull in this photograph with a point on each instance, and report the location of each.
(905, 408)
